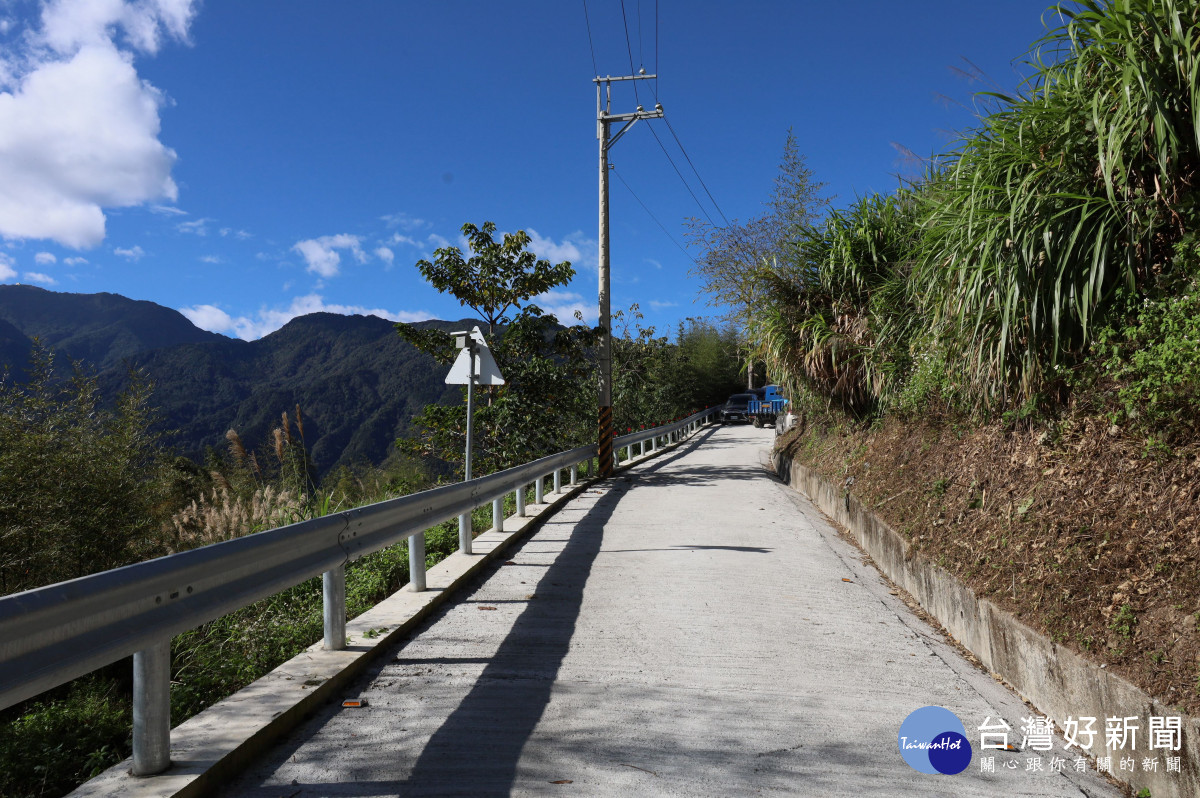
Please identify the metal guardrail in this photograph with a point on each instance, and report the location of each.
(56, 633)
(666, 433)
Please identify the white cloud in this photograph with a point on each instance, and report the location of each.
(550, 250)
(242, 235)
(78, 127)
(321, 253)
(44, 258)
(167, 210)
(654, 263)
(429, 243)
(38, 277)
(7, 272)
(211, 259)
(135, 253)
(575, 247)
(196, 227)
(268, 320)
(405, 222)
(563, 305)
(209, 317)
(657, 305)
(74, 261)
(68, 25)
(385, 255)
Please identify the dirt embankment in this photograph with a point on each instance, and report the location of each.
(1082, 531)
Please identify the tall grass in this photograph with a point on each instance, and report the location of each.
(1065, 202)
(838, 315)
(1049, 221)
(43, 751)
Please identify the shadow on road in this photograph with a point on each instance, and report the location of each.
(747, 549)
(477, 749)
(496, 718)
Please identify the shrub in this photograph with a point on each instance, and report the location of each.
(80, 484)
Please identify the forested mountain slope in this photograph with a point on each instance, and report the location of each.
(358, 384)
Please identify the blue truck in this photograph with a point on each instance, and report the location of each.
(768, 405)
(759, 406)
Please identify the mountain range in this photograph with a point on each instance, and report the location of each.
(358, 384)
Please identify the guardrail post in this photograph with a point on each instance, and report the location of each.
(498, 514)
(464, 533)
(574, 468)
(333, 594)
(521, 501)
(589, 468)
(558, 480)
(537, 490)
(152, 709)
(416, 562)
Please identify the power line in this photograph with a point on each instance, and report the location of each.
(629, 49)
(698, 177)
(641, 58)
(682, 179)
(592, 47)
(652, 216)
(654, 86)
(739, 240)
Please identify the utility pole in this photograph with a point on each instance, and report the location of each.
(604, 118)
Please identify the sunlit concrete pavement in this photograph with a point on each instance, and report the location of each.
(687, 629)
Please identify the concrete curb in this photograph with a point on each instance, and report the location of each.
(217, 744)
(1056, 680)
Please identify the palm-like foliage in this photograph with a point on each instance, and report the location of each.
(1067, 195)
(838, 317)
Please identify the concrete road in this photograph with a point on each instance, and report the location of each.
(692, 628)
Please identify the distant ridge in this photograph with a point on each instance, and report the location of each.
(357, 382)
(100, 329)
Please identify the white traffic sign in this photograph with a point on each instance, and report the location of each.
(486, 370)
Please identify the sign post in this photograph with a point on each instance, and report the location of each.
(473, 364)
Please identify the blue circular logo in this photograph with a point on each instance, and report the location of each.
(933, 740)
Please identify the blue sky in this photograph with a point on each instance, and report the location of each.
(246, 162)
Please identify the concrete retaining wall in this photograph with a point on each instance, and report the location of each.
(1057, 681)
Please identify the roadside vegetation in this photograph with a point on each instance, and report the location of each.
(85, 488)
(1003, 356)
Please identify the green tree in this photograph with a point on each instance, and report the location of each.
(708, 356)
(656, 380)
(498, 277)
(734, 257)
(81, 487)
(546, 405)
(548, 400)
